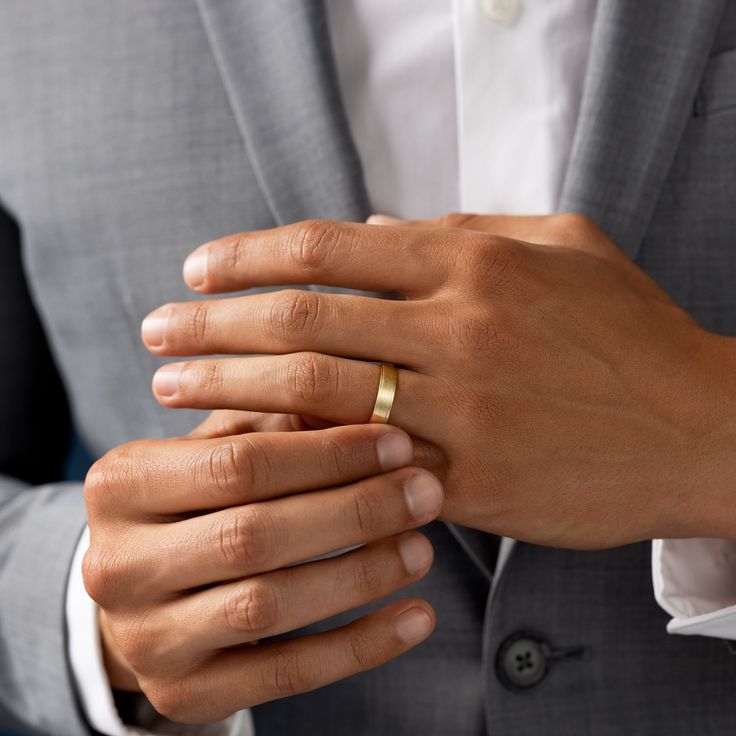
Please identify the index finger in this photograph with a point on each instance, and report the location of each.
(172, 477)
(344, 254)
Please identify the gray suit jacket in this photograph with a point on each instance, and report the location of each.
(133, 130)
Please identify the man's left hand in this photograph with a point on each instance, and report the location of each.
(557, 391)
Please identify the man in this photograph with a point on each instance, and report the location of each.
(546, 388)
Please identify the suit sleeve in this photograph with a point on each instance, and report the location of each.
(41, 519)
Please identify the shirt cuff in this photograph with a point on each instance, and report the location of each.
(695, 582)
(93, 687)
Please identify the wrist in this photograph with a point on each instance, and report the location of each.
(710, 507)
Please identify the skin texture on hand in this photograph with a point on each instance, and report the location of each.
(195, 545)
(556, 390)
(218, 424)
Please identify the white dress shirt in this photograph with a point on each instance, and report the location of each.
(464, 105)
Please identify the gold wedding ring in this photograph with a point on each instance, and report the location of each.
(388, 379)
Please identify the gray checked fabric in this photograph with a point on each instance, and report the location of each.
(133, 130)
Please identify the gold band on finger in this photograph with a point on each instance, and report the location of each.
(388, 379)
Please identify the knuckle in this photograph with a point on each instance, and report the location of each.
(245, 537)
(363, 513)
(111, 476)
(313, 244)
(295, 315)
(311, 378)
(230, 255)
(572, 221)
(253, 609)
(105, 576)
(369, 577)
(488, 408)
(177, 701)
(254, 462)
(228, 469)
(338, 457)
(478, 332)
(290, 674)
(208, 377)
(361, 650)
(231, 539)
(455, 219)
(569, 227)
(197, 321)
(96, 576)
(138, 643)
(97, 483)
(491, 263)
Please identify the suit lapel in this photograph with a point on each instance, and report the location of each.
(276, 61)
(646, 60)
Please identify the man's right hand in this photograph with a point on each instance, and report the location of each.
(193, 552)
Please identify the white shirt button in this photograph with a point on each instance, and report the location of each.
(501, 11)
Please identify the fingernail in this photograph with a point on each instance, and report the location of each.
(383, 220)
(395, 450)
(153, 329)
(195, 268)
(413, 625)
(416, 553)
(423, 494)
(166, 379)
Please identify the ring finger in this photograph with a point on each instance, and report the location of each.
(337, 389)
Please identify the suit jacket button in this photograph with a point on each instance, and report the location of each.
(522, 661)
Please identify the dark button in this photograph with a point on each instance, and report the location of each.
(522, 661)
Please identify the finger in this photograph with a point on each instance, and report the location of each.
(288, 599)
(385, 220)
(229, 422)
(244, 677)
(566, 229)
(248, 540)
(289, 321)
(344, 254)
(335, 389)
(170, 477)
(563, 229)
(519, 227)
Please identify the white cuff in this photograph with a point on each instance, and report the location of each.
(88, 669)
(695, 582)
